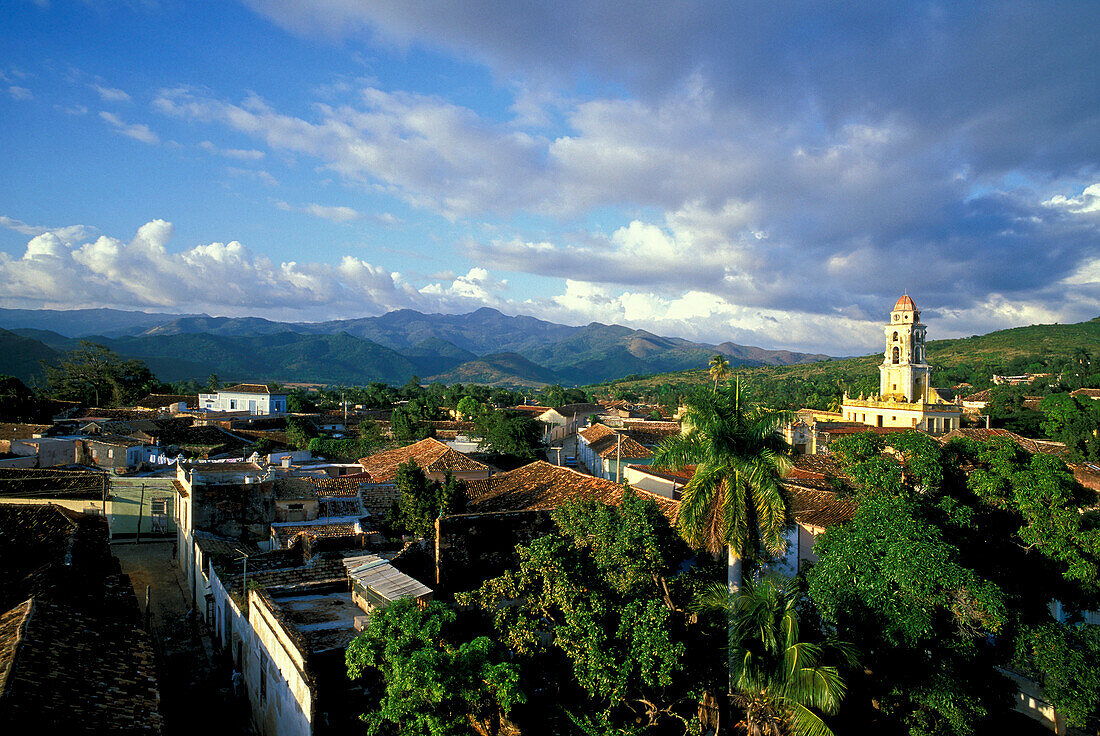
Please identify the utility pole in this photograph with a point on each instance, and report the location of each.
(141, 512)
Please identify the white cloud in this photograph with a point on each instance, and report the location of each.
(1088, 201)
(110, 94)
(223, 278)
(20, 93)
(137, 131)
(338, 214)
(259, 175)
(68, 233)
(476, 286)
(237, 153)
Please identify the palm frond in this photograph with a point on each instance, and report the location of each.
(801, 721)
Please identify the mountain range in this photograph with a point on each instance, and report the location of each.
(484, 346)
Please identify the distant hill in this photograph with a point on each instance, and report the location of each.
(989, 353)
(391, 348)
(80, 322)
(21, 356)
(502, 369)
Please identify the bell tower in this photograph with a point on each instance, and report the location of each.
(904, 374)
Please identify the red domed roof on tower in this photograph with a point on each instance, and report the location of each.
(905, 304)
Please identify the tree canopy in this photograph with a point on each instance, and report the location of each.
(433, 682)
(600, 608)
(94, 374)
(945, 576)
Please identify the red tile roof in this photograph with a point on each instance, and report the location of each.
(430, 454)
(540, 486)
(905, 303)
(251, 388)
(681, 476)
(1045, 447)
(619, 445)
(596, 432)
(809, 483)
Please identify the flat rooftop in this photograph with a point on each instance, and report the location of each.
(326, 620)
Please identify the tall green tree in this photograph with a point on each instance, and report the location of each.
(603, 604)
(506, 434)
(94, 373)
(778, 680)
(423, 500)
(432, 682)
(735, 498)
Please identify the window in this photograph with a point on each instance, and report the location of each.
(896, 355)
(232, 404)
(895, 335)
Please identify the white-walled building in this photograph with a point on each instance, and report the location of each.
(254, 398)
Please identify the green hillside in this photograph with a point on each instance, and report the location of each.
(1035, 349)
(21, 356)
(502, 369)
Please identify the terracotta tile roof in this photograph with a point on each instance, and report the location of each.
(345, 486)
(115, 440)
(81, 674)
(649, 436)
(1091, 393)
(809, 483)
(295, 489)
(980, 396)
(328, 530)
(214, 545)
(596, 432)
(819, 508)
(13, 627)
(612, 446)
(1045, 447)
(531, 409)
(681, 476)
(159, 401)
(430, 454)
(1087, 474)
(540, 486)
(72, 659)
(14, 431)
(47, 483)
(250, 388)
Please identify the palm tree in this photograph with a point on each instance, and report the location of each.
(719, 368)
(735, 499)
(776, 679)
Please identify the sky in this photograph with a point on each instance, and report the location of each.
(774, 174)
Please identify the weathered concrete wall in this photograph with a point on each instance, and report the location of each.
(282, 701)
(471, 548)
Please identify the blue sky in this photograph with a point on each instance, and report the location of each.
(773, 174)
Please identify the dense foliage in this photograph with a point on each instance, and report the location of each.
(433, 682)
(423, 500)
(97, 376)
(599, 611)
(780, 680)
(946, 572)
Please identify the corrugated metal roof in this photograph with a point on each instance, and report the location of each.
(376, 574)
